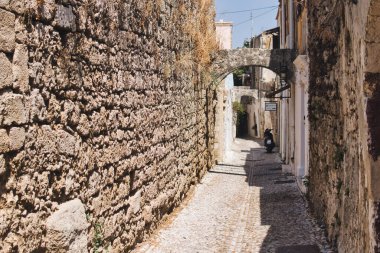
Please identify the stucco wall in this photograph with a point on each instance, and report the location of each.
(223, 118)
(102, 103)
(224, 34)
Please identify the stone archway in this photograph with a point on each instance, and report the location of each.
(226, 61)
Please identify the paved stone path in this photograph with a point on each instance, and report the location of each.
(244, 205)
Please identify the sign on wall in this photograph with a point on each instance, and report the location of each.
(271, 106)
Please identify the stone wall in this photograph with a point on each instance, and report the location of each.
(105, 119)
(342, 129)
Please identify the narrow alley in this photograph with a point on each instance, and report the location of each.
(121, 126)
(244, 205)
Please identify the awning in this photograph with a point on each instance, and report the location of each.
(273, 93)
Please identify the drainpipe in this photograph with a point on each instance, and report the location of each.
(291, 109)
(283, 124)
(291, 25)
(283, 26)
(285, 138)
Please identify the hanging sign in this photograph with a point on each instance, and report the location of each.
(271, 106)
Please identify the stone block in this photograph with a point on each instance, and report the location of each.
(16, 138)
(21, 31)
(7, 31)
(135, 202)
(66, 143)
(19, 6)
(2, 165)
(373, 33)
(65, 18)
(375, 8)
(39, 9)
(37, 107)
(20, 68)
(119, 135)
(67, 228)
(5, 71)
(46, 140)
(13, 109)
(4, 3)
(45, 10)
(373, 65)
(4, 141)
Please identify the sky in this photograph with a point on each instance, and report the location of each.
(264, 17)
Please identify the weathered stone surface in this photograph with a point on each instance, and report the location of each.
(65, 18)
(13, 109)
(67, 228)
(5, 71)
(20, 29)
(36, 106)
(7, 31)
(4, 141)
(227, 61)
(135, 202)
(4, 3)
(46, 140)
(344, 52)
(66, 142)
(19, 6)
(372, 31)
(20, 68)
(2, 171)
(372, 63)
(45, 10)
(103, 120)
(16, 138)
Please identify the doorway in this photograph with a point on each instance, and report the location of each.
(242, 124)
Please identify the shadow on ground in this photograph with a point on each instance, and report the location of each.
(281, 204)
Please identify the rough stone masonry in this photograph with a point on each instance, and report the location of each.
(344, 43)
(106, 119)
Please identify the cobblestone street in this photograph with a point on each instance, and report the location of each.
(244, 205)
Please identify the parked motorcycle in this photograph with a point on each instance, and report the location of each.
(268, 140)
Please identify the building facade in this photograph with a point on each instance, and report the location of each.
(263, 80)
(294, 122)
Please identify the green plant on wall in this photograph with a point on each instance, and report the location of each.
(239, 110)
(246, 43)
(238, 76)
(306, 181)
(238, 107)
(98, 237)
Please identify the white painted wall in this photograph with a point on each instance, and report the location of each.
(229, 131)
(294, 123)
(224, 118)
(301, 119)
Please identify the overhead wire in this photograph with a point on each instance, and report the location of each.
(251, 18)
(249, 10)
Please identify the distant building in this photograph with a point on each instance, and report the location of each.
(261, 81)
(224, 34)
(294, 130)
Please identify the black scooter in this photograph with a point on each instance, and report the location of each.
(268, 140)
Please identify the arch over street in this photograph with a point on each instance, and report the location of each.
(226, 61)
